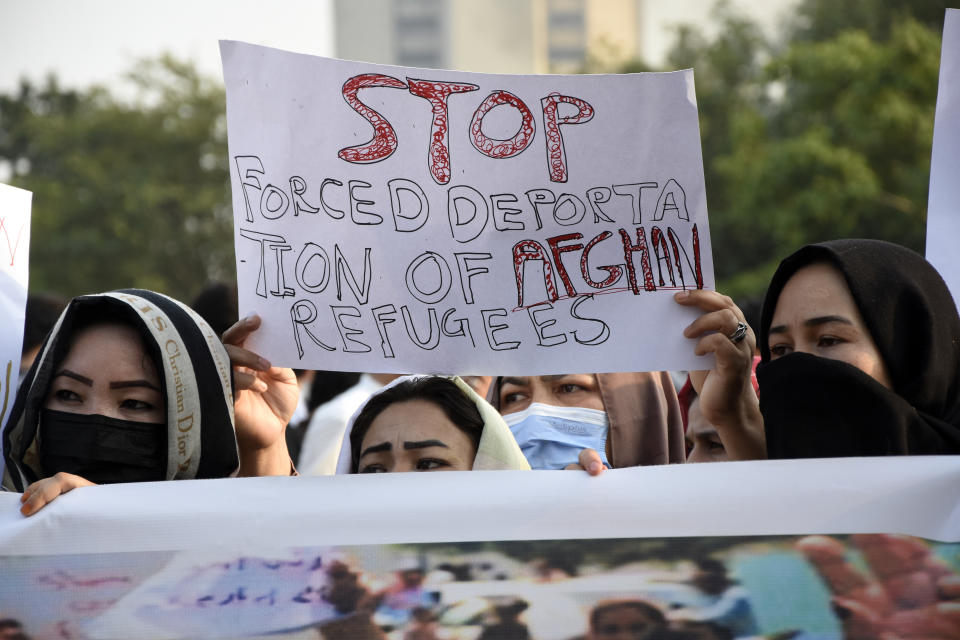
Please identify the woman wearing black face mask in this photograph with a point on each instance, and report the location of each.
(860, 348)
(133, 386)
(860, 355)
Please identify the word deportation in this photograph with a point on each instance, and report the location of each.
(429, 279)
(468, 211)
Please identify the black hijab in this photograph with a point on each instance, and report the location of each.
(814, 407)
(195, 376)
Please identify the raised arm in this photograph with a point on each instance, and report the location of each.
(727, 398)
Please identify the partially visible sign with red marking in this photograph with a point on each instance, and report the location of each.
(14, 263)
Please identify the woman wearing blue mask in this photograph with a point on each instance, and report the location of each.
(592, 421)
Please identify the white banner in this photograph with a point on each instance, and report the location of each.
(241, 557)
(397, 219)
(943, 209)
(913, 495)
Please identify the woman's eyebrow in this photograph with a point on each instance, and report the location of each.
(377, 448)
(76, 376)
(813, 322)
(125, 384)
(520, 382)
(423, 444)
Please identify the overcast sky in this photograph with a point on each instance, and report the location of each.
(95, 41)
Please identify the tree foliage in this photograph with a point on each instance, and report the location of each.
(826, 135)
(126, 193)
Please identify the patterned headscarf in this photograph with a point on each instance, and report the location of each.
(195, 375)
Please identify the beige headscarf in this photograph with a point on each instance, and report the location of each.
(644, 414)
(497, 451)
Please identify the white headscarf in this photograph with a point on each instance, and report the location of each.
(497, 451)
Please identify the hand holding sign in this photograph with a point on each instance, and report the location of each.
(46, 490)
(266, 398)
(727, 398)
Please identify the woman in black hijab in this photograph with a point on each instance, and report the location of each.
(134, 386)
(826, 406)
(860, 349)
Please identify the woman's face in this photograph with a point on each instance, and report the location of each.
(621, 623)
(415, 435)
(108, 372)
(568, 390)
(816, 314)
(703, 441)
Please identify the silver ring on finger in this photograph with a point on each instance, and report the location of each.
(739, 333)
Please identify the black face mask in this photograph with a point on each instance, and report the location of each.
(103, 450)
(820, 408)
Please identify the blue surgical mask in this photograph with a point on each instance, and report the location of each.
(552, 437)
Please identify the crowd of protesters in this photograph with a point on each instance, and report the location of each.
(857, 352)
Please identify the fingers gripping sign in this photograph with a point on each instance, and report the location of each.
(265, 399)
(589, 461)
(43, 492)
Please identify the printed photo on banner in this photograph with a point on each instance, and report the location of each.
(711, 588)
(397, 219)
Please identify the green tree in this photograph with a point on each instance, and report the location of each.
(825, 135)
(818, 20)
(733, 105)
(126, 192)
(845, 152)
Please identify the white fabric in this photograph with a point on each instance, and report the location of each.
(914, 495)
(321, 444)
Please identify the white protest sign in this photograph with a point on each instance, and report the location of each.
(396, 219)
(943, 209)
(14, 264)
(179, 559)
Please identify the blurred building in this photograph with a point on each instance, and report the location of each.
(496, 36)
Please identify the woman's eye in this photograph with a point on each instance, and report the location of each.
(510, 398)
(570, 388)
(779, 350)
(65, 395)
(828, 341)
(373, 468)
(715, 446)
(431, 464)
(132, 404)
